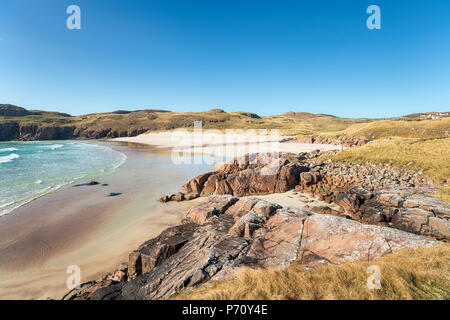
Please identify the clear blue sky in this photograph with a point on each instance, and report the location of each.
(262, 56)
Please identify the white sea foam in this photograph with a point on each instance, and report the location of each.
(51, 171)
(9, 207)
(9, 158)
(54, 146)
(8, 149)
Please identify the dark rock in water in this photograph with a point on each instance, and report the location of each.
(92, 183)
(164, 199)
(115, 194)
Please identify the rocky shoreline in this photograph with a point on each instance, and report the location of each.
(380, 210)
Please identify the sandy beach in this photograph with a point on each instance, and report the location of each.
(226, 146)
(85, 226)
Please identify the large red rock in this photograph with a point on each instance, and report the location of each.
(245, 176)
(214, 206)
(331, 239)
(241, 207)
(277, 243)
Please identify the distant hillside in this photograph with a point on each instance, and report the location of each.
(8, 110)
(17, 123)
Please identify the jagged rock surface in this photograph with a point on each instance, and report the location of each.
(242, 232)
(245, 176)
(371, 194)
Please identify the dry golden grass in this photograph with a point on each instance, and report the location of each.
(422, 273)
(444, 194)
(423, 129)
(430, 156)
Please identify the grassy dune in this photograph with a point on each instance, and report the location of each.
(431, 157)
(409, 274)
(420, 129)
(409, 143)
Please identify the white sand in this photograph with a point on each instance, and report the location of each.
(295, 199)
(215, 144)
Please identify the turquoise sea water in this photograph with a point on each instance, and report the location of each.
(31, 169)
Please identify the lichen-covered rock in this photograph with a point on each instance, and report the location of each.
(411, 220)
(276, 244)
(330, 239)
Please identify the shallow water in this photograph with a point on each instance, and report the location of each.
(87, 227)
(31, 169)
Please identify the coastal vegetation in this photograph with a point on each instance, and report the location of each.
(434, 127)
(32, 124)
(123, 123)
(429, 157)
(421, 273)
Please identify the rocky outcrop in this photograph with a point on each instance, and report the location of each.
(9, 110)
(326, 179)
(393, 205)
(346, 142)
(379, 195)
(251, 175)
(54, 133)
(28, 125)
(13, 130)
(225, 233)
(9, 130)
(367, 193)
(330, 239)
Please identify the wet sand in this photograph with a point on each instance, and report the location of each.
(87, 227)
